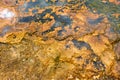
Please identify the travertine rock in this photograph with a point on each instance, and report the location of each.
(59, 40)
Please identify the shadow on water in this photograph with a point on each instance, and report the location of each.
(37, 3)
(95, 21)
(81, 44)
(26, 19)
(5, 30)
(41, 4)
(60, 32)
(60, 21)
(37, 17)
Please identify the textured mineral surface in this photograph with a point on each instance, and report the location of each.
(59, 40)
